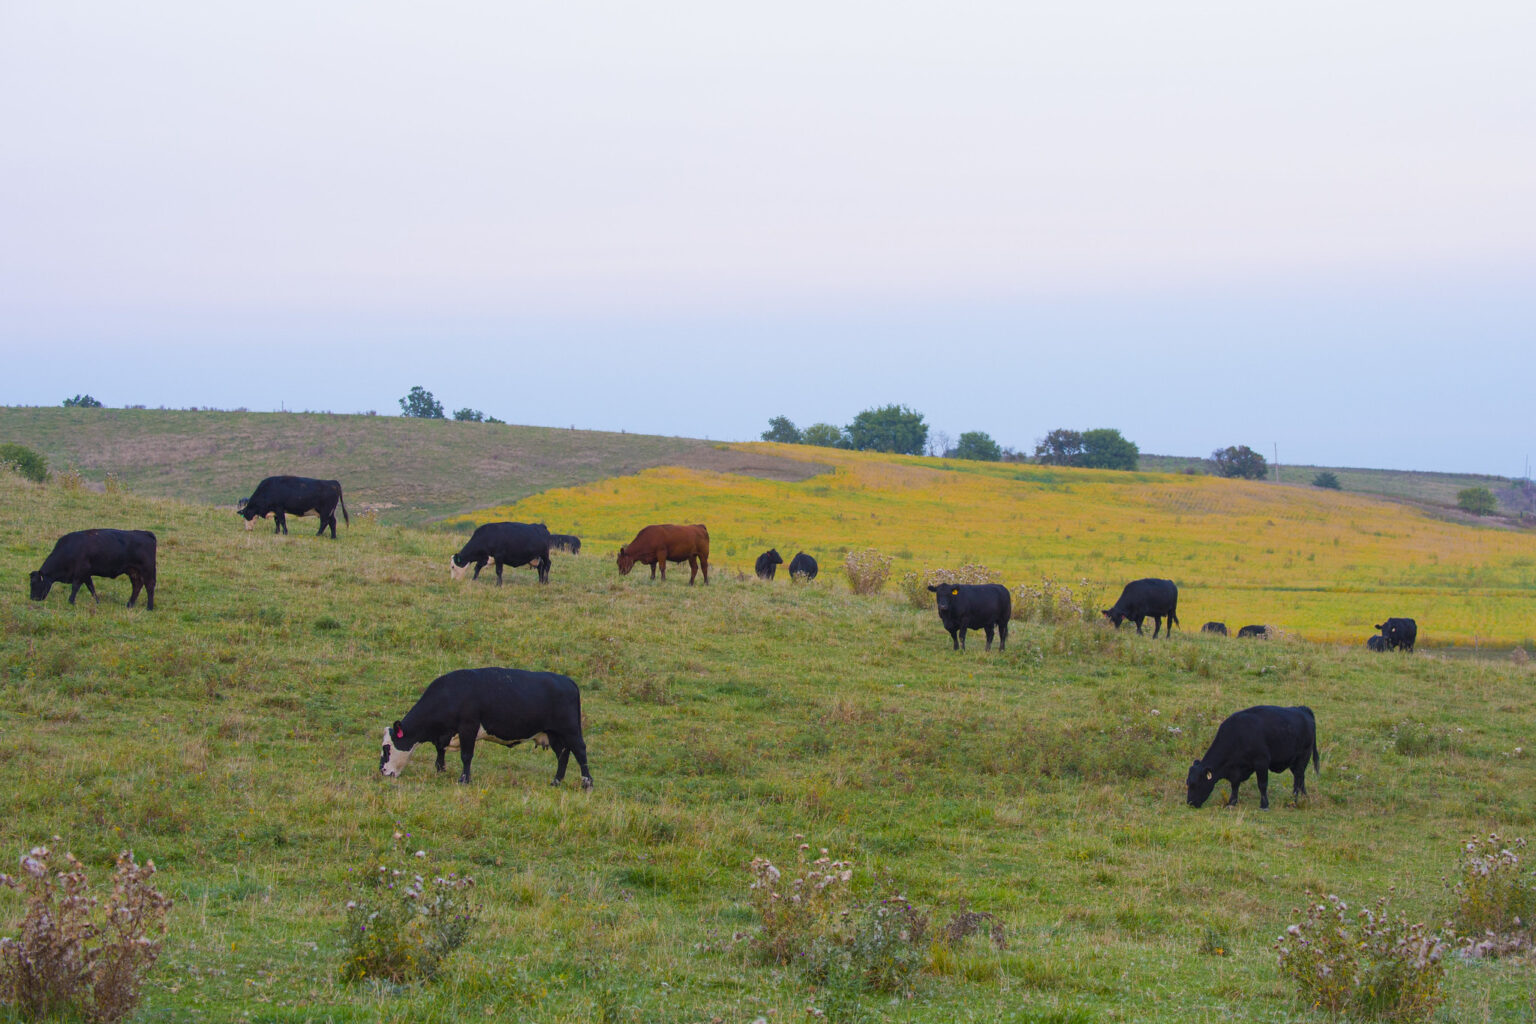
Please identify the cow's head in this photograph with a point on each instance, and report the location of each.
(626, 561)
(457, 569)
(40, 585)
(1114, 617)
(397, 750)
(1198, 786)
(945, 594)
(772, 555)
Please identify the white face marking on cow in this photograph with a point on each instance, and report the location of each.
(457, 571)
(394, 759)
(250, 524)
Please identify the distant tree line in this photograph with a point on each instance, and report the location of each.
(890, 428)
(420, 404)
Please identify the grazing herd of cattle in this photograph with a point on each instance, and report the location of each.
(511, 706)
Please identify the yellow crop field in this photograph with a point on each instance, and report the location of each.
(1321, 564)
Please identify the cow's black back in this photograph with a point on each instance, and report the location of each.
(803, 567)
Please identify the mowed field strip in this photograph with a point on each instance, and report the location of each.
(1321, 564)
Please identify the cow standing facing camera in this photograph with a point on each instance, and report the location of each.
(982, 606)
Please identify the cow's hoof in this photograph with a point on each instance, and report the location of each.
(586, 782)
(554, 782)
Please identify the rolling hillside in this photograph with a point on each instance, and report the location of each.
(405, 470)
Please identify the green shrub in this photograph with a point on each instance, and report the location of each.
(1326, 479)
(81, 402)
(867, 570)
(1495, 898)
(1377, 967)
(399, 927)
(24, 461)
(1477, 500)
(71, 961)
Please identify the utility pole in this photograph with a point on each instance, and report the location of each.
(1277, 462)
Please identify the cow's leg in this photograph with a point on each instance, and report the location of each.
(279, 522)
(543, 566)
(498, 572)
(988, 628)
(1236, 781)
(954, 639)
(1299, 775)
(467, 749)
(138, 584)
(693, 569)
(442, 754)
(75, 590)
(961, 631)
(1262, 775)
(704, 568)
(565, 746)
(1002, 635)
(149, 592)
(479, 564)
(661, 560)
(1138, 626)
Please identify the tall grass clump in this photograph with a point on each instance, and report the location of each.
(75, 957)
(1495, 897)
(1055, 602)
(1376, 966)
(914, 585)
(400, 927)
(867, 570)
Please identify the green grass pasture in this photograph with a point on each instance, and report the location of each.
(232, 735)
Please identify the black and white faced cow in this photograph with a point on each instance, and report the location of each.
(78, 556)
(1256, 741)
(500, 705)
(1143, 599)
(511, 544)
(767, 563)
(284, 496)
(974, 606)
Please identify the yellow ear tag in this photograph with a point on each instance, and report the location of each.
(955, 592)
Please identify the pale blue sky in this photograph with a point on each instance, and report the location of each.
(1310, 225)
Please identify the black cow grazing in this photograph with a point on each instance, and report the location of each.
(511, 544)
(1256, 741)
(1400, 634)
(1262, 632)
(767, 563)
(974, 606)
(565, 542)
(1215, 628)
(502, 705)
(1143, 599)
(78, 556)
(803, 567)
(1376, 643)
(284, 496)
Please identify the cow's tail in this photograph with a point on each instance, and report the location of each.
(341, 498)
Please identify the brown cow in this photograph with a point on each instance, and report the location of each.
(658, 545)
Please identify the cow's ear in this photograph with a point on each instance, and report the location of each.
(399, 729)
(934, 588)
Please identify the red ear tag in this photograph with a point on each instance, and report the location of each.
(399, 734)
